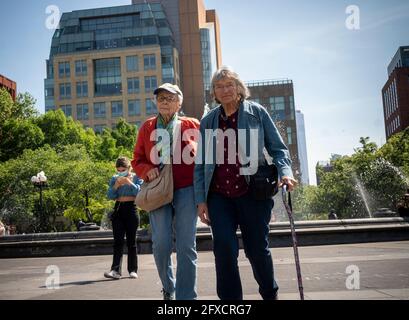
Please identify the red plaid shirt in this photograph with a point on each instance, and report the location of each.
(226, 178)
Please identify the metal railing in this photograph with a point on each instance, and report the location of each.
(273, 82)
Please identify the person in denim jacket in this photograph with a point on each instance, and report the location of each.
(229, 133)
(123, 188)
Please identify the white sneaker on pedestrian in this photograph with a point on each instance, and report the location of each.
(112, 275)
(133, 275)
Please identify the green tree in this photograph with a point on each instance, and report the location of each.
(70, 173)
(54, 126)
(125, 135)
(6, 106)
(18, 135)
(25, 106)
(396, 150)
(106, 147)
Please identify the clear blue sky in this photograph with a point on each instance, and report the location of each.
(338, 73)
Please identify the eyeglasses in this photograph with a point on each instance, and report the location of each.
(229, 86)
(166, 98)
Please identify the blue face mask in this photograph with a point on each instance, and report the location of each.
(122, 174)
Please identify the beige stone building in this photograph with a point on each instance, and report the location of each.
(105, 63)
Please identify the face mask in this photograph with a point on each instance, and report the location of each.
(122, 174)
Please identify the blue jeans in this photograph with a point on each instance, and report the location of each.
(253, 217)
(179, 217)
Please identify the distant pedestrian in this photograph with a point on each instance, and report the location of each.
(123, 188)
(332, 215)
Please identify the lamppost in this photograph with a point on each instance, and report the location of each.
(40, 181)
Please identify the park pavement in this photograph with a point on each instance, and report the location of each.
(327, 271)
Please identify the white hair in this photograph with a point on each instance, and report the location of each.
(226, 72)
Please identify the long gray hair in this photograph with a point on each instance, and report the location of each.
(226, 72)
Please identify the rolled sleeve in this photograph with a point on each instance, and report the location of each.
(112, 194)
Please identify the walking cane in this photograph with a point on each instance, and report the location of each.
(288, 207)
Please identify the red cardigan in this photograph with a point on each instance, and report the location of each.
(141, 163)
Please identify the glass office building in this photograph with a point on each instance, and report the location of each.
(104, 63)
(209, 59)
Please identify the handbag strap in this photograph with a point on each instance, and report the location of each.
(175, 133)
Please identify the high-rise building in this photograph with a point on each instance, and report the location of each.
(395, 93)
(302, 147)
(321, 168)
(326, 166)
(197, 38)
(277, 96)
(105, 63)
(9, 85)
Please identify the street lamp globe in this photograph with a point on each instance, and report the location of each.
(40, 181)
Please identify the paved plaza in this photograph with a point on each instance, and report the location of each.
(383, 274)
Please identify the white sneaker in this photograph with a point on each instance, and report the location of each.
(133, 275)
(112, 275)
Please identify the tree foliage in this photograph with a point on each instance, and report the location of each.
(359, 184)
(78, 164)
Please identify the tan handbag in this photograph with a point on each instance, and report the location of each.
(156, 193)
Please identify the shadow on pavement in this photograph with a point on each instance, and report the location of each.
(80, 283)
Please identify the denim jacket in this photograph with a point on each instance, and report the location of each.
(124, 190)
(260, 134)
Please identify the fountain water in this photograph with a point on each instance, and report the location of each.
(364, 194)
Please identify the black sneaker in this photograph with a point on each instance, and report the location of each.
(167, 295)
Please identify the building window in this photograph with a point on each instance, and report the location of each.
(116, 108)
(167, 61)
(82, 112)
(132, 63)
(289, 136)
(133, 85)
(110, 23)
(292, 108)
(277, 103)
(291, 98)
(65, 90)
(67, 109)
(150, 107)
(149, 40)
(82, 89)
(99, 128)
(49, 108)
(108, 80)
(81, 68)
(64, 70)
(49, 92)
(99, 110)
(134, 108)
(149, 62)
(150, 83)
